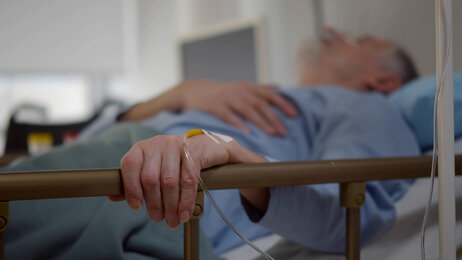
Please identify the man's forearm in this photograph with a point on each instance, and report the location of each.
(166, 101)
(257, 197)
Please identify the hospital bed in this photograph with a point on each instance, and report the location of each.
(351, 174)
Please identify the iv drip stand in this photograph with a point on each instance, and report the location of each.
(445, 121)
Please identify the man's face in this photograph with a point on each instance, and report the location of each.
(342, 60)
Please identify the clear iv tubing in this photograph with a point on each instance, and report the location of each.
(214, 204)
(442, 76)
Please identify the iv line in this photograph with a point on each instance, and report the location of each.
(214, 204)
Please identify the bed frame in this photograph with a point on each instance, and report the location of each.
(350, 174)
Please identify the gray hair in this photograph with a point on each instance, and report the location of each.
(399, 62)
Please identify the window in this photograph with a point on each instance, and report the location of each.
(63, 98)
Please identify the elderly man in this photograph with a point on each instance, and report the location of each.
(338, 112)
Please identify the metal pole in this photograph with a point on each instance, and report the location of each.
(191, 229)
(3, 226)
(353, 233)
(2, 247)
(352, 197)
(103, 182)
(446, 207)
(191, 240)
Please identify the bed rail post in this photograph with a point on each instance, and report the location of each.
(191, 230)
(352, 197)
(3, 226)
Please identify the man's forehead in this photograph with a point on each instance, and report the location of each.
(374, 43)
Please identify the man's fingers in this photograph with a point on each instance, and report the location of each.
(278, 100)
(271, 117)
(170, 179)
(228, 115)
(151, 170)
(150, 181)
(188, 191)
(251, 113)
(131, 165)
(264, 97)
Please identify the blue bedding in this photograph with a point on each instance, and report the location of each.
(334, 123)
(416, 100)
(94, 227)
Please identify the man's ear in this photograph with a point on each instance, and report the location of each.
(384, 82)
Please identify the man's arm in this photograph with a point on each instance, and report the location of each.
(228, 101)
(157, 172)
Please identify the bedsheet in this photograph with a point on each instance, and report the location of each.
(94, 227)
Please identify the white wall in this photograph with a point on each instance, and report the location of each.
(410, 23)
(59, 54)
(289, 22)
(162, 23)
(154, 65)
(158, 31)
(57, 36)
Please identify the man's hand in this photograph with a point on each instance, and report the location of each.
(228, 101)
(156, 171)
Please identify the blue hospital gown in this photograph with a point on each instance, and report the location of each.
(333, 123)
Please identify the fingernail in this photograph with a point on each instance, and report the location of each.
(282, 131)
(184, 215)
(171, 224)
(135, 204)
(157, 218)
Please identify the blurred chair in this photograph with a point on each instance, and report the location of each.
(20, 134)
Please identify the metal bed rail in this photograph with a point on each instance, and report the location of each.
(351, 174)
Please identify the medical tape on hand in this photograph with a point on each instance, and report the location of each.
(225, 139)
(211, 135)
